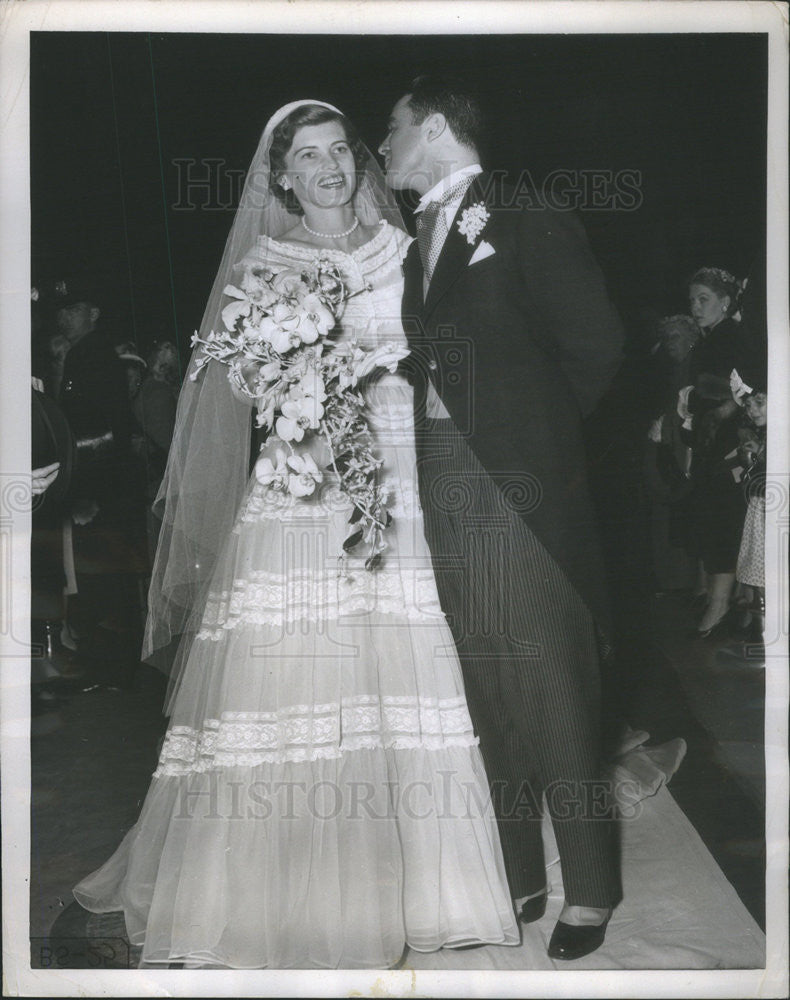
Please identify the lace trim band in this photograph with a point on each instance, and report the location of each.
(280, 599)
(304, 733)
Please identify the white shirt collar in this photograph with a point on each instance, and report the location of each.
(446, 183)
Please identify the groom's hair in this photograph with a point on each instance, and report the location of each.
(451, 98)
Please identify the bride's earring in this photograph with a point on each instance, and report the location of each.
(284, 183)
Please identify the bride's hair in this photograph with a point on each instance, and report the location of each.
(282, 139)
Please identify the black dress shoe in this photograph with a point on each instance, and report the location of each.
(569, 941)
(719, 630)
(533, 909)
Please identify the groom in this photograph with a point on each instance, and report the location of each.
(513, 340)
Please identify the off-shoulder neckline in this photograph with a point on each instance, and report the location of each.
(302, 249)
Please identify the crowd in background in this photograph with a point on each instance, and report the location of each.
(102, 421)
(705, 457)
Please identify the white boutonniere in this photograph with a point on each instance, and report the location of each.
(473, 221)
(738, 387)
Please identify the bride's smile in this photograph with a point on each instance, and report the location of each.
(336, 180)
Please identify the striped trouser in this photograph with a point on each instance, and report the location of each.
(529, 652)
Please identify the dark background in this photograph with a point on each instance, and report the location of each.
(112, 112)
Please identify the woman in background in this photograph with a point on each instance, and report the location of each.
(707, 406)
(750, 571)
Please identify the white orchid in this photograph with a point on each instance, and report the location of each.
(235, 310)
(312, 385)
(300, 324)
(283, 340)
(291, 425)
(271, 371)
(281, 329)
(285, 316)
(314, 311)
(312, 410)
(290, 284)
(304, 477)
(256, 285)
(272, 474)
(302, 410)
(307, 331)
(266, 406)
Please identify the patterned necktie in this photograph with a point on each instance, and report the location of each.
(432, 227)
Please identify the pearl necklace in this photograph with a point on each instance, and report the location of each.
(331, 236)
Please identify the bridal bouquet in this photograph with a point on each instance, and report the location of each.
(278, 348)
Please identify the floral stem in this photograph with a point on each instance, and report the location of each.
(363, 510)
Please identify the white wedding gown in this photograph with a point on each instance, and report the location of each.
(320, 800)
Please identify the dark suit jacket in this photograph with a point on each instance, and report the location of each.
(95, 399)
(521, 346)
(51, 441)
(93, 392)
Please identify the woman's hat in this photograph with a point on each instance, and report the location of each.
(67, 289)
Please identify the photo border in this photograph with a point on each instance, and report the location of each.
(341, 18)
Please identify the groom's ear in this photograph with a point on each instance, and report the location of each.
(434, 126)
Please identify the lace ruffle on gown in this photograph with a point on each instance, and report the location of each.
(320, 800)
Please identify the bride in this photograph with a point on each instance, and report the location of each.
(319, 800)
